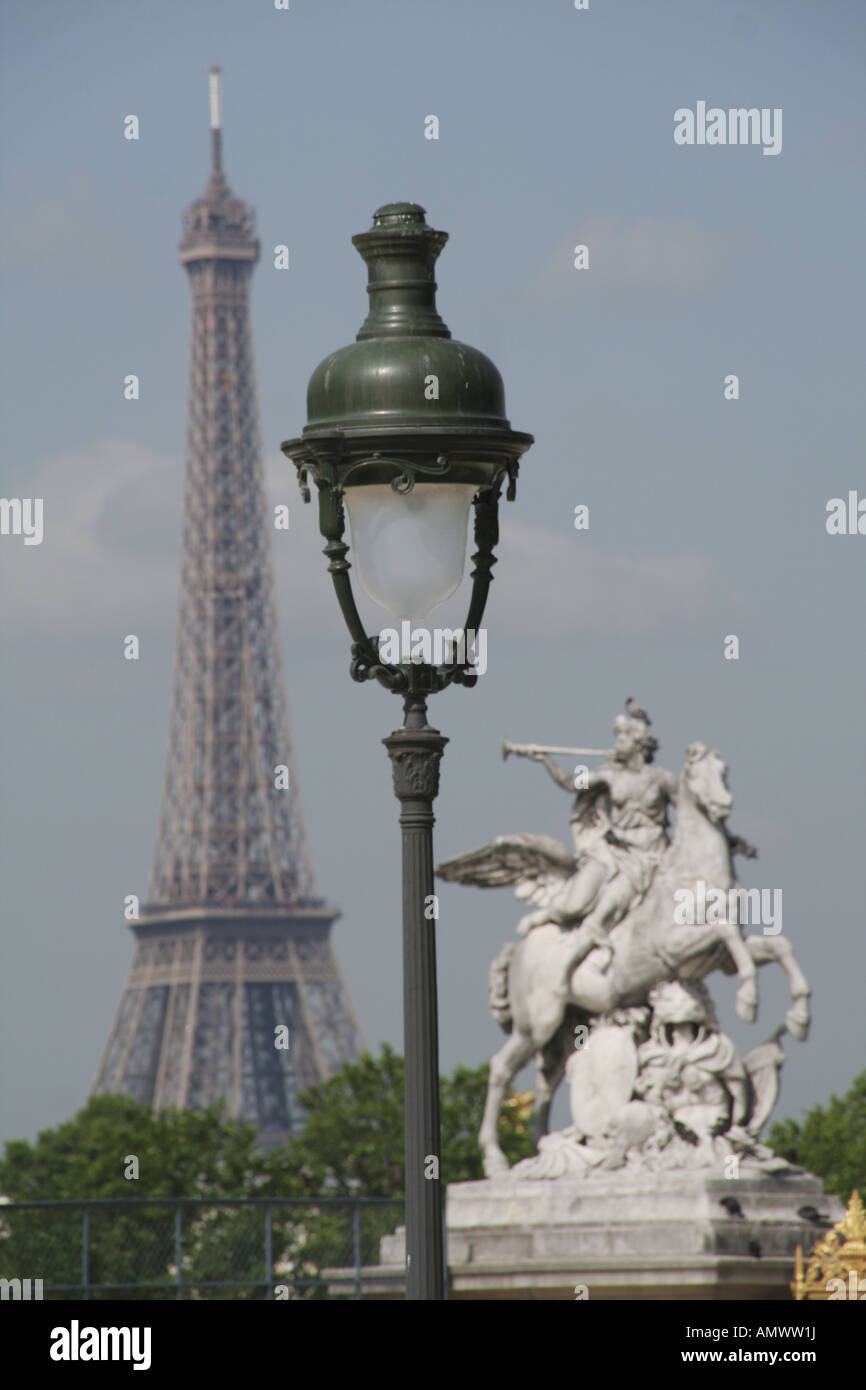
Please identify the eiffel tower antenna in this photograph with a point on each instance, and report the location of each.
(216, 134)
(233, 943)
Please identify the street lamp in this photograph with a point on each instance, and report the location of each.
(406, 429)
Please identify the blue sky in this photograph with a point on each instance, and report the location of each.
(706, 516)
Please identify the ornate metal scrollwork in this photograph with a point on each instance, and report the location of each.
(365, 666)
(325, 464)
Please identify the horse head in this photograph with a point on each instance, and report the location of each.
(705, 779)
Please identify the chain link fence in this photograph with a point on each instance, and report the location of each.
(141, 1248)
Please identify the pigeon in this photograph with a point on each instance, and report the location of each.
(732, 1206)
(811, 1214)
(635, 712)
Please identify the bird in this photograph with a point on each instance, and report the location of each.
(731, 1206)
(635, 712)
(811, 1214)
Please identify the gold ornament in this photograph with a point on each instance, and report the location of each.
(837, 1266)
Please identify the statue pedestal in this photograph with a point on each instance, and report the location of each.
(627, 1236)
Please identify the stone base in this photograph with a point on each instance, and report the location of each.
(623, 1236)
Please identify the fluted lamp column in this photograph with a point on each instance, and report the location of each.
(406, 430)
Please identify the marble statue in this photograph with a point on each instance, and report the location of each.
(602, 950)
(662, 1088)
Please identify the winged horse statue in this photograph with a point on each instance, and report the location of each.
(578, 964)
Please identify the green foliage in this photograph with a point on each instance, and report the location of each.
(183, 1153)
(830, 1143)
(180, 1154)
(353, 1141)
(352, 1146)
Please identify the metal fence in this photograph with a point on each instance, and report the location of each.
(142, 1248)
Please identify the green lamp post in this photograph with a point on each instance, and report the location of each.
(406, 430)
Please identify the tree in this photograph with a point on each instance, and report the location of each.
(179, 1154)
(352, 1143)
(830, 1143)
(352, 1146)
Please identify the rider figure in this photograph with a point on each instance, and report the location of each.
(619, 824)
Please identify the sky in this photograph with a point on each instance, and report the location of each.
(707, 515)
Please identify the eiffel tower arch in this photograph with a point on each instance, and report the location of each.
(233, 944)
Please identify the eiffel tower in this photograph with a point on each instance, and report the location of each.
(233, 943)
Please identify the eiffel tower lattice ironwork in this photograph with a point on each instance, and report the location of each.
(234, 941)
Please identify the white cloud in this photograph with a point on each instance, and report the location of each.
(51, 230)
(110, 555)
(626, 259)
(102, 557)
(548, 583)
(111, 558)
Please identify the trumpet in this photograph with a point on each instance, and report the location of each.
(526, 750)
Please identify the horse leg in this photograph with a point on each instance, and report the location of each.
(764, 949)
(747, 993)
(550, 1062)
(504, 1065)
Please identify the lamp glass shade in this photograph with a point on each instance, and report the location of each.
(409, 549)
